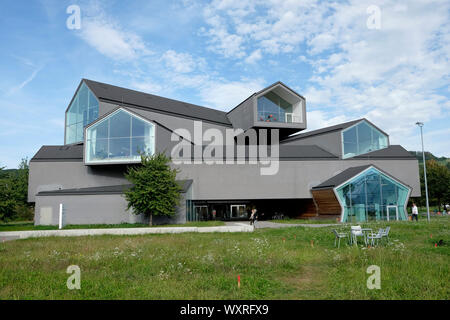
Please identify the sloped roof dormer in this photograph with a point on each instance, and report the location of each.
(276, 106)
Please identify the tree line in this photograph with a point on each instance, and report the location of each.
(438, 181)
(14, 193)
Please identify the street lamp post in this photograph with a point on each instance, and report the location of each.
(420, 124)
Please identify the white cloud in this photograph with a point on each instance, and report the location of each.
(221, 39)
(110, 40)
(146, 86)
(180, 62)
(387, 75)
(226, 95)
(254, 57)
(317, 119)
(393, 76)
(19, 87)
(276, 26)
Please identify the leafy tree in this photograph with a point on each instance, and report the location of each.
(13, 193)
(438, 178)
(155, 190)
(7, 203)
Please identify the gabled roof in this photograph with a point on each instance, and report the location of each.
(132, 113)
(342, 177)
(115, 189)
(286, 153)
(348, 174)
(337, 127)
(75, 153)
(391, 152)
(268, 88)
(305, 152)
(122, 96)
(71, 152)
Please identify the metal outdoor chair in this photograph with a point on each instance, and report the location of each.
(356, 231)
(339, 236)
(375, 237)
(386, 233)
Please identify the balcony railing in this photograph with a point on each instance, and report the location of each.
(292, 118)
(279, 117)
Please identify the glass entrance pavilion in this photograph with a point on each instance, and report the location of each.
(372, 195)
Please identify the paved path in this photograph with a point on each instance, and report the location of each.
(12, 235)
(274, 225)
(230, 226)
(8, 238)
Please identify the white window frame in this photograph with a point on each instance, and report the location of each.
(117, 161)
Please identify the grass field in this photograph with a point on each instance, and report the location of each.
(305, 221)
(29, 225)
(288, 263)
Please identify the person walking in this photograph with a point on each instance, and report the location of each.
(415, 212)
(253, 217)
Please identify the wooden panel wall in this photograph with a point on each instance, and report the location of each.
(326, 201)
(306, 209)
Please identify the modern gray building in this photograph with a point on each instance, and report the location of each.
(255, 155)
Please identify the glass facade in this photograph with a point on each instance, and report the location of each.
(119, 137)
(373, 195)
(82, 111)
(362, 138)
(273, 108)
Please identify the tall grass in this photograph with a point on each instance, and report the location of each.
(289, 263)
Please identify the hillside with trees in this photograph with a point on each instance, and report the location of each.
(438, 178)
(429, 156)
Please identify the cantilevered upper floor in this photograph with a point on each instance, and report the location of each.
(276, 106)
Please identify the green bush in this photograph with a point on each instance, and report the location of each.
(24, 212)
(7, 210)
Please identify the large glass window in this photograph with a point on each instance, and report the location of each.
(273, 108)
(82, 111)
(362, 138)
(120, 137)
(373, 195)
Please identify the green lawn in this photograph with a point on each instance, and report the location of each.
(287, 263)
(27, 225)
(306, 221)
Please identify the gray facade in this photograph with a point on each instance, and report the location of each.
(305, 161)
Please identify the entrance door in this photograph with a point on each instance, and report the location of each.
(238, 211)
(392, 213)
(201, 212)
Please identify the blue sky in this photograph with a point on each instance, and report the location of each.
(216, 53)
